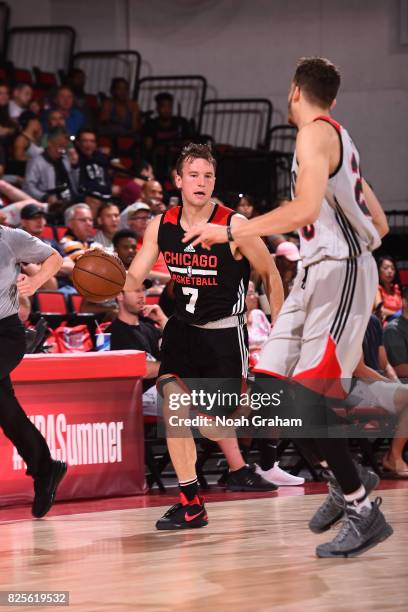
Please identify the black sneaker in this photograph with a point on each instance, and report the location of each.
(358, 533)
(45, 488)
(184, 515)
(247, 479)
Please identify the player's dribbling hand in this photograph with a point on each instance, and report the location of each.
(26, 285)
(206, 234)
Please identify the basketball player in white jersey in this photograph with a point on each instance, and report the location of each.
(317, 338)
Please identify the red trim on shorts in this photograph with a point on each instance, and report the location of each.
(325, 377)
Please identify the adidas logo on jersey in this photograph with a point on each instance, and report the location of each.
(189, 249)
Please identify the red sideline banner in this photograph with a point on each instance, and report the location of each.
(88, 407)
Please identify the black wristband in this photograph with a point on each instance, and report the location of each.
(229, 234)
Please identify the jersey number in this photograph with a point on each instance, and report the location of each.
(358, 187)
(193, 293)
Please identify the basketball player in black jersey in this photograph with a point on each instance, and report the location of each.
(207, 337)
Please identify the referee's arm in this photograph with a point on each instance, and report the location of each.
(28, 285)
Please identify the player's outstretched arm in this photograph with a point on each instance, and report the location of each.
(378, 216)
(255, 251)
(145, 258)
(313, 155)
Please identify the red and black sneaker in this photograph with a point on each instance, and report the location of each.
(184, 515)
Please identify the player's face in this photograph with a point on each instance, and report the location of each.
(196, 182)
(134, 301)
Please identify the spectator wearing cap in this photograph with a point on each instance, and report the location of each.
(287, 259)
(27, 143)
(125, 245)
(138, 216)
(94, 179)
(33, 221)
(107, 220)
(18, 199)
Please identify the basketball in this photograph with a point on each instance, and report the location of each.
(98, 276)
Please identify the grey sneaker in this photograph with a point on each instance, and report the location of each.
(358, 533)
(334, 505)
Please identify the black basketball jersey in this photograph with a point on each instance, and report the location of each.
(208, 285)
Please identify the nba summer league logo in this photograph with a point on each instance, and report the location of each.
(78, 443)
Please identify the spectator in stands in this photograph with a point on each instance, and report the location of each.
(18, 199)
(55, 119)
(388, 290)
(138, 217)
(152, 195)
(27, 143)
(125, 245)
(76, 81)
(107, 220)
(79, 235)
(166, 128)
(119, 116)
(50, 177)
(246, 206)
(258, 325)
(396, 339)
(33, 221)
(21, 98)
(135, 328)
(64, 102)
(287, 259)
(132, 191)
(94, 179)
(8, 127)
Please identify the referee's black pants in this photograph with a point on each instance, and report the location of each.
(18, 428)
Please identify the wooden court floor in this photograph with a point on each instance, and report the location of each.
(255, 555)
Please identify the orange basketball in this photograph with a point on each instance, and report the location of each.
(98, 276)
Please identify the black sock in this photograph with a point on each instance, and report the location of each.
(268, 453)
(189, 488)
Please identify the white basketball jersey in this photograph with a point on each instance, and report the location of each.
(344, 227)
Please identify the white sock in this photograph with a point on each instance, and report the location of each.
(358, 500)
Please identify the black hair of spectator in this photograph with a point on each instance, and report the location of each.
(318, 78)
(105, 206)
(25, 118)
(115, 81)
(164, 96)
(56, 132)
(397, 280)
(121, 234)
(192, 151)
